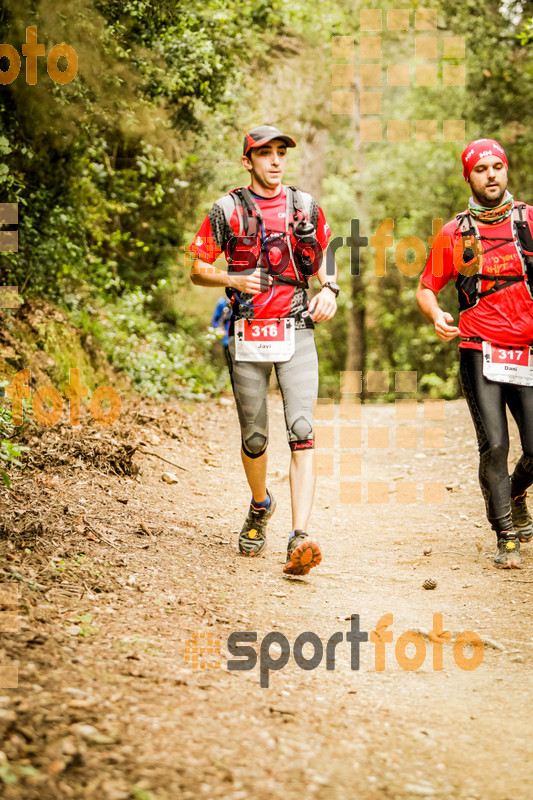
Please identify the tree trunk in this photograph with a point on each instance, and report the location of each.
(314, 144)
(356, 345)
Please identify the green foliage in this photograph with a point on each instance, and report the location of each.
(109, 170)
(525, 36)
(10, 452)
(114, 171)
(105, 169)
(84, 622)
(138, 793)
(160, 362)
(417, 183)
(330, 338)
(10, 774)
(189, 53)
(498, 66)
(418, 189)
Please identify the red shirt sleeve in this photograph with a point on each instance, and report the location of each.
(439, 267)
(323, 231)
(204, 244)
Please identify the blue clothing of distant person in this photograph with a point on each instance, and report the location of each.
(221, 318)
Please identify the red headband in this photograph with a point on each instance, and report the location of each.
(480, 148)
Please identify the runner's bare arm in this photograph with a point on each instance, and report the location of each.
(324, 304)
(428, 304)
(253, 281)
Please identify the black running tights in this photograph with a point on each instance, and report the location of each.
(487, 401)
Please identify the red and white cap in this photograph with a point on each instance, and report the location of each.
(478, 149)
(263, 134)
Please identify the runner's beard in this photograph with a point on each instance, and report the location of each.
(486, 200)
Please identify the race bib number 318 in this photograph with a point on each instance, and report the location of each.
(264, 339)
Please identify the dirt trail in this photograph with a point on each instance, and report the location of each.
(108, 707)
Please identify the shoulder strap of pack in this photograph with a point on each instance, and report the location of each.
(301, 205)
(249, 205)
(468, 286)
(525, 242)
(294, 205)
(466, 225)
(519, 216)
(242, 200)
(228, 203)
(298, 203)
(294, 196)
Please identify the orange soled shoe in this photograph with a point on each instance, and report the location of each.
(303, 553)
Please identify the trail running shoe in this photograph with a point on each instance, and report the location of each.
(303, 553)
(252, 538)
(522, 522)
(508, 554)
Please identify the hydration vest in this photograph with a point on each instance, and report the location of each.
(469, 286)
(298, 207)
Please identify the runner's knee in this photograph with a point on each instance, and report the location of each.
(303, 431)
(255, 445)
(495, 455)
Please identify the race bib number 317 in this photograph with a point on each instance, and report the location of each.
(508, 364)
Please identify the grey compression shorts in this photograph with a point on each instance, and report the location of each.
(298, 381)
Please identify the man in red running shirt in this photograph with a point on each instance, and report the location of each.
(487, 251)
(261, 230)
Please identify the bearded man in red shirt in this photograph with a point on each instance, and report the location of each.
(488, 251)
(273, 237)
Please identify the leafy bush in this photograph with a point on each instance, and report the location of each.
(9, 451)
(160, 362)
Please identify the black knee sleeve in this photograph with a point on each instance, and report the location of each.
(307, 444)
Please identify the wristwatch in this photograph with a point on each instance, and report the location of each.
(335, 288)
